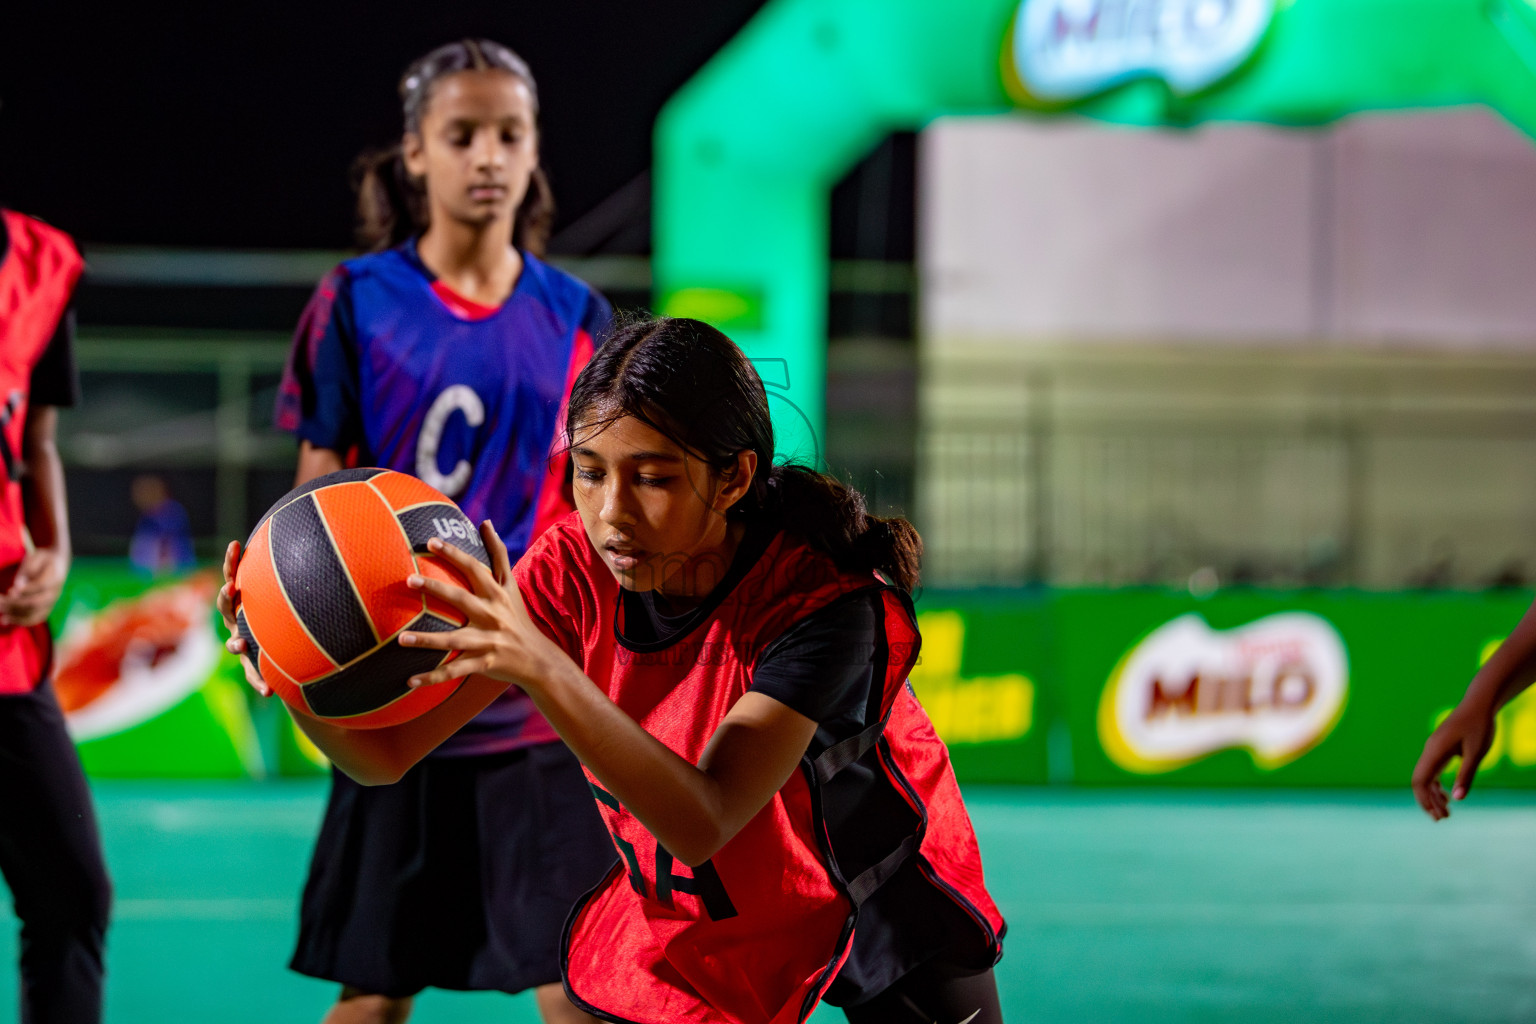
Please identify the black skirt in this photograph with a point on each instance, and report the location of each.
(459, 876)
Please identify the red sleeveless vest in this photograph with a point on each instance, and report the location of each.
(756, 934)
(37, 276)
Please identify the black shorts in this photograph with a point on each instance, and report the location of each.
(934, 993)
(459, 876)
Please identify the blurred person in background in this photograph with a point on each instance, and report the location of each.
(162, 541)
(448, 353)
(50, 850)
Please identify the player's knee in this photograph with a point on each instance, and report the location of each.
(556, 1008)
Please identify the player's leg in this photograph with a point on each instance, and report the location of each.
(555, 1008)
(934, 993)
(354, 1007)
(369, 918)
(50, 853)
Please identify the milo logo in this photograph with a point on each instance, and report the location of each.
(1063, 50)
(1275, 687)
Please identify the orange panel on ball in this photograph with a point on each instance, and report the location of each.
(402, 491)
(374, 551)
(287, 690)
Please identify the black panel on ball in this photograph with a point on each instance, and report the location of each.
(377, 680)
(252, 649)
(317, 586)
(423, 522)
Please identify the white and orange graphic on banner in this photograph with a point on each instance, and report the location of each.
(1276, 687)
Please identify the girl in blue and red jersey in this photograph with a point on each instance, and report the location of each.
(725, 643)
(448, 353)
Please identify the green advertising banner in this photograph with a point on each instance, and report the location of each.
(1247, 687)
(148, 689)
(980, 678)
(1112, 687)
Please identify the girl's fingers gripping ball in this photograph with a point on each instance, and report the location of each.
(477, 571)
(501, 560)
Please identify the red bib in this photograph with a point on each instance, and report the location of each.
(37, 277)
(756, 934)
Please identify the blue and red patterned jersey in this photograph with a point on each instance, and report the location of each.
(391, 368)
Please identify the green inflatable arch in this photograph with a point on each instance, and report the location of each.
(747, 152)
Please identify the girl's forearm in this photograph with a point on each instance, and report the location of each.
(681, 805)
(1509, 671)
(46, 507)
(692, 810)
(314, 461)
(377, 757)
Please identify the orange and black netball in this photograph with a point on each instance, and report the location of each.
(323, 599)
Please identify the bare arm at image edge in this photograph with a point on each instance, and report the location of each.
(1468, 731)
(315, 461)
(40, 579)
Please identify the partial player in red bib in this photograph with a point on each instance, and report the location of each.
(49, 848)
(725, 644)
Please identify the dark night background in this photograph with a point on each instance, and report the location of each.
(234, 125)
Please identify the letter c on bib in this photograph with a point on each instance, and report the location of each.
(459, 398)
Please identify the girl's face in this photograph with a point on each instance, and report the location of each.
(654, 511)
(477, 147)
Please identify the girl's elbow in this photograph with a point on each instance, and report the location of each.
(373, 771)
(699, 848)
(372, 775)
(695, 856)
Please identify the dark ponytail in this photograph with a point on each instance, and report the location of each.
(691, 383)
(391, 205)
(833, 518)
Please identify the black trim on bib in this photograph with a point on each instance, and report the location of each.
(752, 548)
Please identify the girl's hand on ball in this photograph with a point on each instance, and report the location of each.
(499, 639)
(226, 602)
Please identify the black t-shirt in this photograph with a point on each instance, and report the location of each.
(824, 667)
(55, 379)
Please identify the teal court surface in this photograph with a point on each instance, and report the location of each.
(1144, 907)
